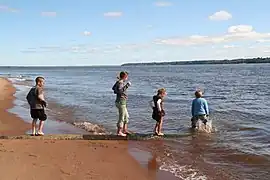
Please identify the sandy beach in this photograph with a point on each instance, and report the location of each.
(59, 159)
(67, 160)
(10, 124)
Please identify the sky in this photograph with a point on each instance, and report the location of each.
(112, 32)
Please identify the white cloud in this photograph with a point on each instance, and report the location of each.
(234, 33)
(220, 16)
(49, 13)
(113, 14)
(4, 8)
(240, 29)
(87, 33)
(50, 47)
(239, 41)
(163, 4)
(121, 53)
(263, 40)
(229, 46)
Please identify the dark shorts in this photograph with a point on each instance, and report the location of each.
(158, 116)
(38, 114)
(195, 119)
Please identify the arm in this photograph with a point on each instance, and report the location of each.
(159, 105)
(122, 88)
(206, 107)
(40, 94)
(192, 108)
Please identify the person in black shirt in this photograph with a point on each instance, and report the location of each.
(37, 103)
(158, 110)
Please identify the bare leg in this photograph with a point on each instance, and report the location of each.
(120, 132)
(34, 122)
(125, 128)
(40, 127)
(156, 128)
(160, 126)
(120, 124)
(126, 117)
(193, 122)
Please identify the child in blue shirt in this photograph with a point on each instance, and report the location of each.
(199, 110)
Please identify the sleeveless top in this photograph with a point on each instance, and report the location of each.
(155, 99)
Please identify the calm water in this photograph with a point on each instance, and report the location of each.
(237, 96)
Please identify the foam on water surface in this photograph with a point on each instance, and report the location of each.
(207, 128)
(182, 172)
(92, 128)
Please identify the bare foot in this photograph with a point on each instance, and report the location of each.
(40, 133)
(127, 132)
(121, 134)
(33, 133)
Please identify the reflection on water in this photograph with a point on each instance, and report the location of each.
(152, 164)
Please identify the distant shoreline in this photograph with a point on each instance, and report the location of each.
(194, 62)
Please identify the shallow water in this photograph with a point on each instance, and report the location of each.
(237, 96)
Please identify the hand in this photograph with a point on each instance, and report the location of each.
(129, 83)
(44, 103)
(161, 113)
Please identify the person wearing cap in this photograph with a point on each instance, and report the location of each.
(158, 110)
(120, 89)
(199, 109)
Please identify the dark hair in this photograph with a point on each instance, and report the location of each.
(38, 79)
(123, 74)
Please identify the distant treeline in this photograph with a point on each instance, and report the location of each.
(226, 61)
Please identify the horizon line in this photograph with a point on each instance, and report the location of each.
(152, 62)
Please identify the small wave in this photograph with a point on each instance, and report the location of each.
(182, 172)
(18, 78)
(248, 129)
(92, 128)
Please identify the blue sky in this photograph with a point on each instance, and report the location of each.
(112, 32)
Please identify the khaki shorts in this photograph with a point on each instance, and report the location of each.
(123, 114)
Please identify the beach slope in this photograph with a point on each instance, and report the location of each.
(43, 159)
(68, 160)
(10, 124)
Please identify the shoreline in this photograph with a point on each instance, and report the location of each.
(52, 125)
(48, 154)
(10, 123)
(69, 160)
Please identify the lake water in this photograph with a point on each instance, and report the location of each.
(237, 96)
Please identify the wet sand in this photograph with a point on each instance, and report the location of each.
(26, 159)
(10, 124)
(67, 159)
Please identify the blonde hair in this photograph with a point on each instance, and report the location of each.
(161, 91)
